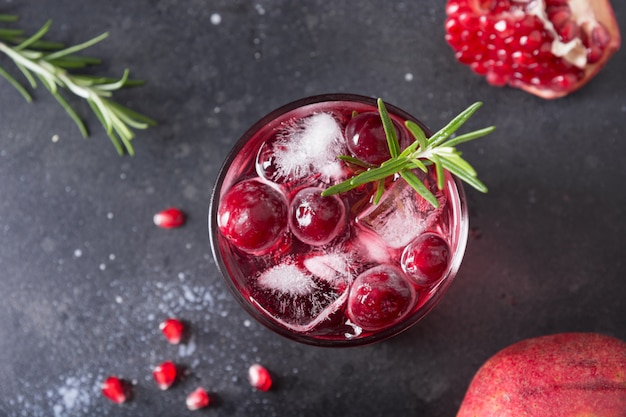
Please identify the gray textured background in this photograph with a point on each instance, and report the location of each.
(85, 277)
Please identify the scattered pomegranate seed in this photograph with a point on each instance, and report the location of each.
(173, 330)
(115, 390)
(170, 218)
(164, 375)
(197, 399)
(259, 377)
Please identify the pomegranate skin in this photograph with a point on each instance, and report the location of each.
(560, 375)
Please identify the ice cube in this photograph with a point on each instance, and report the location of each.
(400, 216)
(296, 298)
(310, 146)
(287, 279)
(371, 248)
(333, 268)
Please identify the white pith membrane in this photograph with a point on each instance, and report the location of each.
(574, 51)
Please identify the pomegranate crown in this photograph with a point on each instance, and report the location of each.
(438, 150)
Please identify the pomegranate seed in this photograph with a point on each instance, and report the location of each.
(532, 41)
(504, 28)
(486, 5)
(469, 21)
(600, 36)
(164, 375)
(426, 259)
(453, 7)
(259, 377)
(564, 82)
(559, 15)
(314, 219)
(197, 399)
(497, 79)
(169, 218)
(569, 31)
(253, 216)
(173, 330)
(115, 390)
(380, 297)
(479, 67)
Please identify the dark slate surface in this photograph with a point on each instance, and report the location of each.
(85, 277)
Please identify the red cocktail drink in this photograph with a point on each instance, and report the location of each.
(338, 270)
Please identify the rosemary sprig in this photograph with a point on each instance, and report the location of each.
(439, 149)
(50, 63)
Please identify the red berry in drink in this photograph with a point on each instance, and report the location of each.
(366, 138)
(170, 218)
(426, 259)
(252, 216)
(316, 220)
(259, 377)
(173, 330)
(165, 375)
(198, 399)
(380, 297)
(115, 390)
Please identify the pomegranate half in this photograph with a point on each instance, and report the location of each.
(546, 47)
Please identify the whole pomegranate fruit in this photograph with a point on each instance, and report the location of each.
(546, 47)
(560, 375)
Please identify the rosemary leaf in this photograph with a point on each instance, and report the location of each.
(387, 169)
(8, 18)
(342, 187)
(419, 186)
(16, 84)
(453, 125)
(470, 136)
(27, 75)
(133, 114)
(73, 61)
(354, 161)
(380, 189)
(439, 171)
(464, 176)
(420, 137)
(390, 131)
(115, 85)
(70, 111)
(10, 34)
(34, 38)
(439, 150)
(75, 48)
